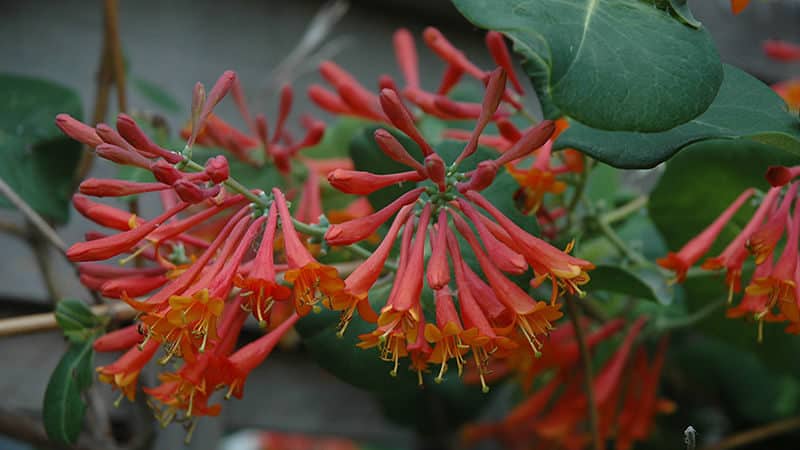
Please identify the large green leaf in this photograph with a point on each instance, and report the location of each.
(36, 160)
(700, 182)
(610, 64)
(744, 107)
(637, 283)
(63, 408)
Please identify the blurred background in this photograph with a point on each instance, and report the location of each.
(168, 46)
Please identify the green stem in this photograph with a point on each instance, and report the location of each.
(625, 210)
(691, 319)
(304, 228)
(617, 242)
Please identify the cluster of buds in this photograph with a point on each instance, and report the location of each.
(536, 180)
(352, 98)
(554, 414)
(772, 292)
(495, 315)
(196, 292)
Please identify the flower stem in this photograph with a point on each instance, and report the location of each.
(304, 228)
(625, 210)
(757, 434)
(690, 319)
(574, 317)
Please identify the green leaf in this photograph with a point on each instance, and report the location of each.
(156, 95)
(36, 160)
(645, 284)
(610, 64)
(64, 408)
(744, 107)
(76, 320)
(681, 9)
(700, 182)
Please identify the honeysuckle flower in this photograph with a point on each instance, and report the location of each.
(738, 6)
(763, 241)
(123, 374)
(352, 98)
(733, 257)
(312, 282)
(489, 317)
(779, 285)
(681, 261)
(781, 50)
(355, 294)
(789, 91)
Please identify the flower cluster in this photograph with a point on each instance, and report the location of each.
(554, 414)
(352, 98)
(495, 315)
(210, 268)
(771, 294)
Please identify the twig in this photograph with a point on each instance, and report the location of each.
(47, 321)
(625, 210)
(12, 228)
(757, 434)
(34, 218)
(115, 51)
(574, 317)
(40, 251)
(25, 428)
(666, 324)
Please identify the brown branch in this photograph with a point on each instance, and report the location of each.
(33, 323)
(111, 11)
(757, 434)
(111, 71)
(574, 317)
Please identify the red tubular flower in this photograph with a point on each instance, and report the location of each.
(733, 257)
(259, 286)
(781, 176)
(123, 373)
(738, 6)
(445, 50)
(78, 130)
(401, 118)
(132, 286)
(134, 135)
(392, 148)
(357, 284)
(765, 238)
(110, 246)
(406, 54)
(564, 270)
(97, 187)
(531, 317)
(118, 340)
(122, 156)
(247, 358)
(497, 47)
(312, 281)
(695, 249)
(359, 229)
(495, 87)
(438, 272)
(780, 284)
(364, 183)
(781, 50)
